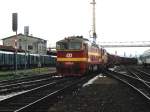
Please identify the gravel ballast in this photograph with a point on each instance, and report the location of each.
(103, 95)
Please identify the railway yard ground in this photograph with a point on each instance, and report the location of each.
(5, 75)
(100, 94)
(104, 94)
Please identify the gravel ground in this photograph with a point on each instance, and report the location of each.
(104, 95)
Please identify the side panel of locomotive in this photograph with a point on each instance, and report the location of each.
(97, 58)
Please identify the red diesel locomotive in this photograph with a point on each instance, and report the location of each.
(77, 56)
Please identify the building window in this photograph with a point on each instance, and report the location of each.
(30, 47)
(20, 47)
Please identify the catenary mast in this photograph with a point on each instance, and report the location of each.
(94, 36)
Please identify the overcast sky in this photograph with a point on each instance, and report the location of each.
(116, 20)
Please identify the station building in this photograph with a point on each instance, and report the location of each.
(28, 43)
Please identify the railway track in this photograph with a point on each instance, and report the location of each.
(5, 82)
(141, 75)
(144, 69)
(9, 86)
(134, 81)
(37, 98)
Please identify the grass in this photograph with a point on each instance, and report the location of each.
(23, 73)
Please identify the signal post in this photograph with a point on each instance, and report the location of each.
(14, 28)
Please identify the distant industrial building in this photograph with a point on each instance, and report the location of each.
(31, 44)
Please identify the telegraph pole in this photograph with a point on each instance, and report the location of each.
(94, 24)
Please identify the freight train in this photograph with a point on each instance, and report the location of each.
(8, 59)
(77, 56)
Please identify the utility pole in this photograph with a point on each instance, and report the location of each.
(26, 33)
(94, 24)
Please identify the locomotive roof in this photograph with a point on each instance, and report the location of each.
(79, 39)
(74, 38)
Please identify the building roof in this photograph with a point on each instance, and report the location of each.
(20, 34)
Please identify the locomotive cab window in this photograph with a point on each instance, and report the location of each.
(69, 45)
(75, 45)
(84, 46)
(61, 46)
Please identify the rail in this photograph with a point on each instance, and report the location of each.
(141, 86)
(38, 97)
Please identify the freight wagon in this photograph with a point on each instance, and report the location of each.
(8, 60)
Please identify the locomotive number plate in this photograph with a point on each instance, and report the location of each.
(69, 55)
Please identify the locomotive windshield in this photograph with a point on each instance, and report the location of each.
(62, 46)
(69, 46)
(75, 45)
